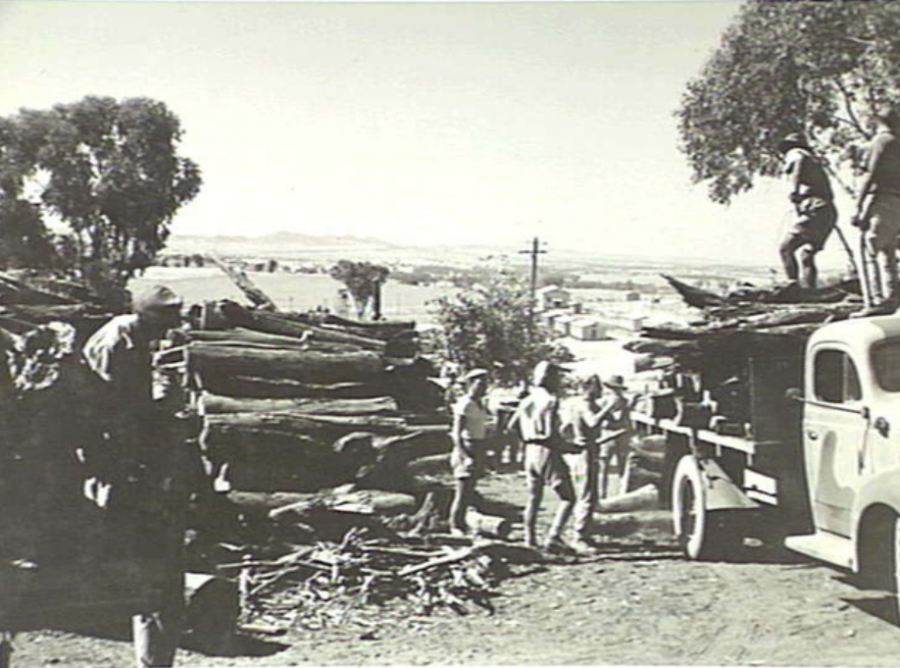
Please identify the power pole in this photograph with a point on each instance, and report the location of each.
(534, 251)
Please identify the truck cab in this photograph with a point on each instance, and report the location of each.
(851, 444)
(818, 467)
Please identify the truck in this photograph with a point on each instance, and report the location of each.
(817, 468)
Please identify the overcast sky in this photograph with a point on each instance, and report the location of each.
(421, 123)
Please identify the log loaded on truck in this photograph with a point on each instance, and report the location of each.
(797, 441)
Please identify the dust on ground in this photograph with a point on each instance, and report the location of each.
(637, 601)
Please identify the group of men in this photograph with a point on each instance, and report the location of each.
(571, 454)
(877, 213)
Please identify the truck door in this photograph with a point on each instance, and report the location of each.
(834, 432)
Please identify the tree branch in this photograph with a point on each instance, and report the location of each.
(848, 106)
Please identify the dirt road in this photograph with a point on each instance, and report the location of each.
(636, 602)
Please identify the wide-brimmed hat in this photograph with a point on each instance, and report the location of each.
(792, 140)
(155, 298)
(474, 374)
(615, 382)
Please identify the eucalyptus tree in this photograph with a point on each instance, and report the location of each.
(107, 173)
(820, 67)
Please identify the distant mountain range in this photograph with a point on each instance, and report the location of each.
(330, 248)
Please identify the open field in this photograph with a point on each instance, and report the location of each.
(294, 292)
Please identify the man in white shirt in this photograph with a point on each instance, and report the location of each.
(539, 424)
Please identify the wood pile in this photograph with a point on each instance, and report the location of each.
(728, 370)
(362, 578)
(295, 402)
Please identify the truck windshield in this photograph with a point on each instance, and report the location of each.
(886, 361)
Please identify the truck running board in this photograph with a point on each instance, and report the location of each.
(828, 547)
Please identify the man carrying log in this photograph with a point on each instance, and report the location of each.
(130, 474)
(538, 420)
(878, 214)
(469, 430)
(816, 215)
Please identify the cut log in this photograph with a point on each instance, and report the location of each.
(282, 326)
(645, 497)
(241, 336)
(294, 424)
(210, 614)
(213, 404)
(278, 388)
(304, 366)
(256, 296)
(488, 525)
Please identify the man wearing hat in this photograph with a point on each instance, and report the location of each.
(813, 202)
(878, 212)
(537, 417)
(616, 412)
(468, 433)
(124, 476)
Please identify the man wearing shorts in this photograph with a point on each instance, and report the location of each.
(470, 419)
(539, 424)
(813, 202)
(616, 412)
(878, 214)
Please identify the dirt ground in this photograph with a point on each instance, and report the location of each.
(637, 601)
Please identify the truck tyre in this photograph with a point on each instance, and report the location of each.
(703, 534)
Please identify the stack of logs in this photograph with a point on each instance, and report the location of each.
(712, 373)
(295, 403)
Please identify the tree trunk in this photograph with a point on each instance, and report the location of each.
(275, 388)
(248, 338)
(303, 366)
(212, 404)
(275, 324)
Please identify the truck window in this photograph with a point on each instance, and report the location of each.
(836, 380)
(886, 362)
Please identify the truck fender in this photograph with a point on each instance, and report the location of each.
(882, 489)
(879, 494)
(721, 491)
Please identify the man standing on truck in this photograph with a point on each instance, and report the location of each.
(539, 425)
(813, 202)
(878, 214)
(128, 472)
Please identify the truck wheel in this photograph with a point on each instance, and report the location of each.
(702, 534)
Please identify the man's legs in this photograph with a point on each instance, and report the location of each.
(585, 491)
(563, 489)
(809, 274)
(156, 633)
(463, 497)
(881, 242)
(534, 461)
(788, 247)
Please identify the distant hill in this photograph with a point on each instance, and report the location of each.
(330, 248)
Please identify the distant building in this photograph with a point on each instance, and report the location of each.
(552, 297)
(587, 329)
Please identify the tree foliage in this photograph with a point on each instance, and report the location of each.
(107, 171)
(490, 326)
(363, 281)
(820, 67)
